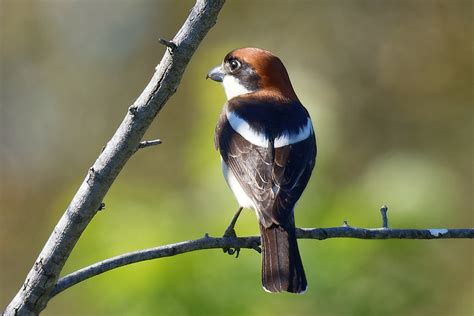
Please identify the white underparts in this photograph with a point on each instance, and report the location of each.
(236, 188)
(243, 128)
(233, 87)
(242, 198)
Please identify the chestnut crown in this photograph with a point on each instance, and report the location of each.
(253, 70)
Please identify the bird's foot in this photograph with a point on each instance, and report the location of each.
(230, 233)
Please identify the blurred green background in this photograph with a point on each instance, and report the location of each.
(388, 85)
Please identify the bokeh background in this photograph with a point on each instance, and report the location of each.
(389, 87)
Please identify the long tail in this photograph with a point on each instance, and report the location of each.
(282, 269)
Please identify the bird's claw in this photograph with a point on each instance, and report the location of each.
(230, 233)
(232, 251)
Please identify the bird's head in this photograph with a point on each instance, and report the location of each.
(246, 71)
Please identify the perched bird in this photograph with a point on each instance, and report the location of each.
(268, 148)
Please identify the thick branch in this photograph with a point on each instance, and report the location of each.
(35, 292)
(251, 243)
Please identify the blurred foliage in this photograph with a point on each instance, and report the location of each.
(389, 87)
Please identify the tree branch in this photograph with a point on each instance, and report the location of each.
(34, 294)
(252, 243)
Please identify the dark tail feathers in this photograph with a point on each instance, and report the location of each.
(282, 269)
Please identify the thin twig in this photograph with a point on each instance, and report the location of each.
(170, 44)
(149, 143)
(251, 243)
(383, 211)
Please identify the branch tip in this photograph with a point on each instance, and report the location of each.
(149, 143)
(383, 211)
(172, 46)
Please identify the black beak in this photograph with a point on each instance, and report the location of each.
(216, 74)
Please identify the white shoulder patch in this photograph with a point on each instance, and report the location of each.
(243, 128)
(233, 88)
(303, 133)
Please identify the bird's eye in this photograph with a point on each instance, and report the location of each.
(234, 65)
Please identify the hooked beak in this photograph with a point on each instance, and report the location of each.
(216, 74)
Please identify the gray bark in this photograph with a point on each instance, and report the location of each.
(252, 243)
(35, 292)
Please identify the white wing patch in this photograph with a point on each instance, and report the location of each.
(243, 128)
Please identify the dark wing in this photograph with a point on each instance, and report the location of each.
(291, 172)
(274, 178)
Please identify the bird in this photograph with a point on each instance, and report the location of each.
(267, 145)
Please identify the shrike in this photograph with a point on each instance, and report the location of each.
(268, 148)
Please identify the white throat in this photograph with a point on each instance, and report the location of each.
(233, 88)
